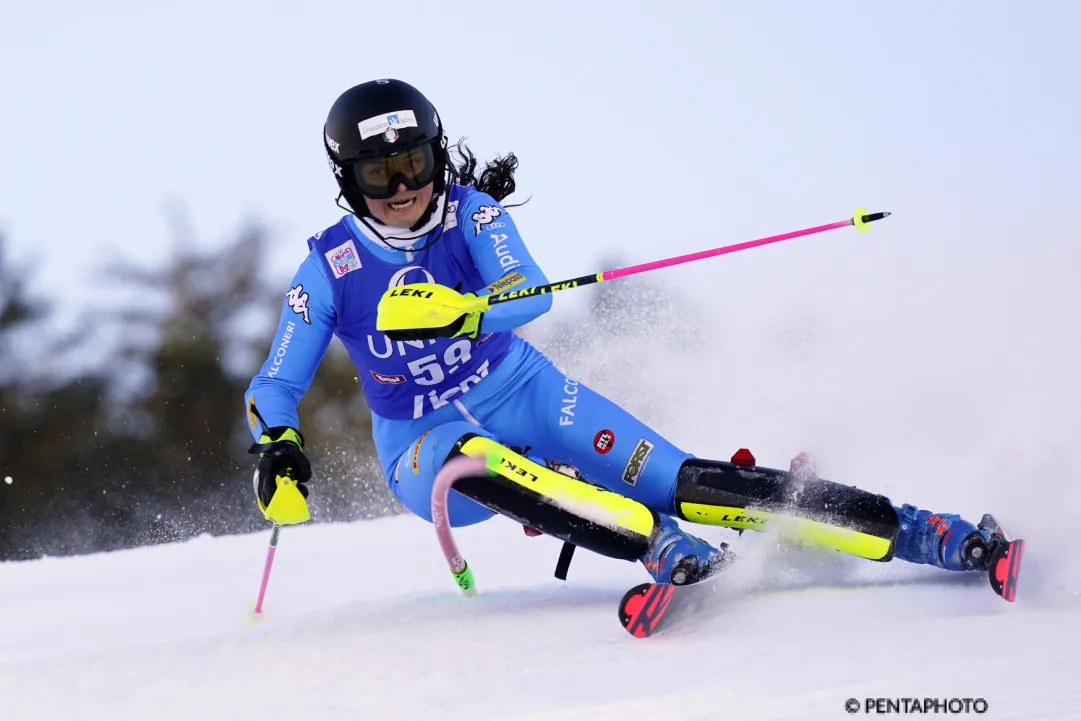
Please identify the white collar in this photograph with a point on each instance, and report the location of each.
(400, 238)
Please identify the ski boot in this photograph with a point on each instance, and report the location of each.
(954, 544)
(679, 558)
(945, 541)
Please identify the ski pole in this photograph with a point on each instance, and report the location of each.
(452, 471)
(398, 312)
(274, 534)
(860, 220)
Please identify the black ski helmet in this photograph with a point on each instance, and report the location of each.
(389, 127)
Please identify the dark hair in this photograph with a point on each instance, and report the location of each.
(497, 178)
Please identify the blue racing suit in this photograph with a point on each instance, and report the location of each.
(425, 395)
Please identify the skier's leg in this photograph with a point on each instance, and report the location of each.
(614, 449)
(533, 496)
(413, 475)
(570, 424)
(943, 540)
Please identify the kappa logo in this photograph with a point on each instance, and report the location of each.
(390, 380)
(298, 301)
(400, 277)
(343, 259)
(486, 214)
(633, 470)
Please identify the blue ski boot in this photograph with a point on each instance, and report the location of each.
(945, 541)
(679, 558)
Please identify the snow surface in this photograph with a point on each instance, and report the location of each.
(352, 631)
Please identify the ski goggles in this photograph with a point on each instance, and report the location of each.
(378, 178)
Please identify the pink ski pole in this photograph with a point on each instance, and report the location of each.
(266, 567)
(860, 220)
(452, 471)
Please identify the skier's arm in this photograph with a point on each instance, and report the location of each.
(304, 333)
(504, 262)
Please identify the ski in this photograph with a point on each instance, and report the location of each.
(649, 608)
(1005, 565)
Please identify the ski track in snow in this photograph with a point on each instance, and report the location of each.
(352, 632)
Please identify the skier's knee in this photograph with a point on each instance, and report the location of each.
(414, 475)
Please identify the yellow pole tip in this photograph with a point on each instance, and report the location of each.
(858, 221)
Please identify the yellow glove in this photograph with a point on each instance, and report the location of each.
(422, 311)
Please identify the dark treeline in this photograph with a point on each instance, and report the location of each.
(151, 445)
(147, 442)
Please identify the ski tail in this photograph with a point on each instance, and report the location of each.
(1006, 567)
(649, 608)
(644, 608)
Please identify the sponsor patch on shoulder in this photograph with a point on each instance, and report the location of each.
(506, 282)
(633, 470)
(343, 259)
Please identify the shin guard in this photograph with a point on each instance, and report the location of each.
(808, 509)
(575, 511)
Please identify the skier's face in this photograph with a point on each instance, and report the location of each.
(404, 208)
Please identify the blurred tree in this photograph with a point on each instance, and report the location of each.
(152, 446)
(42, 429)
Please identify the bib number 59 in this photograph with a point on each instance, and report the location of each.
(428, 371)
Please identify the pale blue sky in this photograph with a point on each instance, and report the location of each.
(947, 338)
(651, 128)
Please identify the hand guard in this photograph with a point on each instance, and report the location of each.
(422, 311)
(281, 476)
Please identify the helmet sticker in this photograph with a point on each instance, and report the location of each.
(334, 166)
(332, 143)
(379, 123)
(390, 135)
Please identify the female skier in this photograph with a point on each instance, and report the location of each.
(415, 218)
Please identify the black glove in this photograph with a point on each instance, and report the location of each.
(282, 454)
